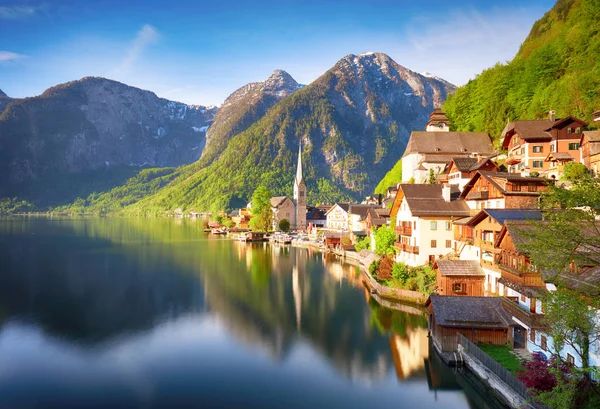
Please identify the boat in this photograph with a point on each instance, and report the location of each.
(218, 231)
(285, 239)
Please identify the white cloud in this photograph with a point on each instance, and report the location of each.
(462, 44)
(17, 12)
(145, 37)
(7, 56)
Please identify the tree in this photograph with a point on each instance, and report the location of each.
(284, 225)
(431, 177)
(362, 243)
(574, 171)
(261, 209)
(384, 240)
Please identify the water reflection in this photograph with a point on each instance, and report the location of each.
(114, 312)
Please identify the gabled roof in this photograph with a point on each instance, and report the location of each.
(427, 200)
(343, 206)
(586, 282)
(593, 138)
(499, 179)
(561, 123)
(449, 143)
(562, 156)
(516, 229)
(502, 215)
(528, 130)
(277, 201)
(378, 216)
(469, 312)
(360, 210)
(464, 164)
(459, 268)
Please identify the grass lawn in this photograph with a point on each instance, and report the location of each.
(503, 356)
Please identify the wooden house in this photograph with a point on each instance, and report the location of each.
(459, 277)
(590, 151)
(479, 319)
(502, 190)
(460, 170)
(557, 162)
(530, 141)
(376, 218)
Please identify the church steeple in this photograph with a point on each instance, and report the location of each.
(300, 194)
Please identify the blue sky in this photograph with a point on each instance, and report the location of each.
(199, 51)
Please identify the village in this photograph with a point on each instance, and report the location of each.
(460, 210)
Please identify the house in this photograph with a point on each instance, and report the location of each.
(337, 217)
(376, 218)
(520, 285)
(502, 190)
(315, 217)
(283, 208)
(557, 161)
(475, 236)
(357, 217)
(434, 148)
(241, 218)
(459, 277)
(479, 319)
(529, 141)
(424, 215)
(460, 170)
(590, 150)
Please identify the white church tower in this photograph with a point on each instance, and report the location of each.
(300, 194)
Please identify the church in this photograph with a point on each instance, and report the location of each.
(293, 210)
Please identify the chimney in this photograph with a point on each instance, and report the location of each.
(553, 115)
(446, 192)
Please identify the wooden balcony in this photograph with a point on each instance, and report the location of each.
(399, 246)
(403, 230)
(530, 319)
(407, 248)
(513, 159)
(525, 278)
(483, 195)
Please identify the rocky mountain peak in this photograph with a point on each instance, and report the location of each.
(281, 81)
(2, 94)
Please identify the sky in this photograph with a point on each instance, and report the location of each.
(199, 52)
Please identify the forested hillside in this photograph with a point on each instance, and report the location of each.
(556, 68)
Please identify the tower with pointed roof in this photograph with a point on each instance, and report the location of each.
(438, 122)
(300, 194)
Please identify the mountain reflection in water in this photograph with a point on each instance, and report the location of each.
(154, 313)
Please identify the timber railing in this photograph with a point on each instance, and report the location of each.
(500, 371)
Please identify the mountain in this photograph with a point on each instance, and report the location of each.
(95, 124)
(556, 68)
(244, 107)
(353, 122)
(4, 101)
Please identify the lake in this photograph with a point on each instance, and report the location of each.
(145, 313)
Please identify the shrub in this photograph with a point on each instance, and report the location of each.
(384, 270)
(536, 375)
(284, 225)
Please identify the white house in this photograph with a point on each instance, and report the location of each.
(424, 215)
(337, 217)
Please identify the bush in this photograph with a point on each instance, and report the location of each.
(362, 244)
(536, 375)
(384, 270)
(284, 225)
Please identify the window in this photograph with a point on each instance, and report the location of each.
(544, 343)
(570, 359)
(415, 225)
(574, 146)
(433, 226)
(301, 193)
(448, 225)
(459, 287)
(522, 151)
(538, 148)
(532, 335)
(538, 164)
(569, 130)
(531, 187)
(433, 244)
(551, 148)
(448, 244)
(523, 298)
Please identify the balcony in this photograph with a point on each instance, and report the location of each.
(399, 246)
(511, 160)
(412, 249)
(528, 318)
(403, 230)
(464, 239)
(483, 195)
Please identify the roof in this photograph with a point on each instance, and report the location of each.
(594, 139)
(528, 291)
(360, 209)
(277, 201)
(587, 281)
(560, 123)
(379, 216)
(449, 143)
(314, 213)
(459, 268)
(529, 130)
(464, 164)
(463, 221)
(502, 215)
(343, 206)
(469, 312)
(559, 156)
(499, 180)
(427, 200)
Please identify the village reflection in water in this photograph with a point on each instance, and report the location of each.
(98, 288)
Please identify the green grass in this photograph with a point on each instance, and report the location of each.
(502, 354)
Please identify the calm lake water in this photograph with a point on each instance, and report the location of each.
(155, 314)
